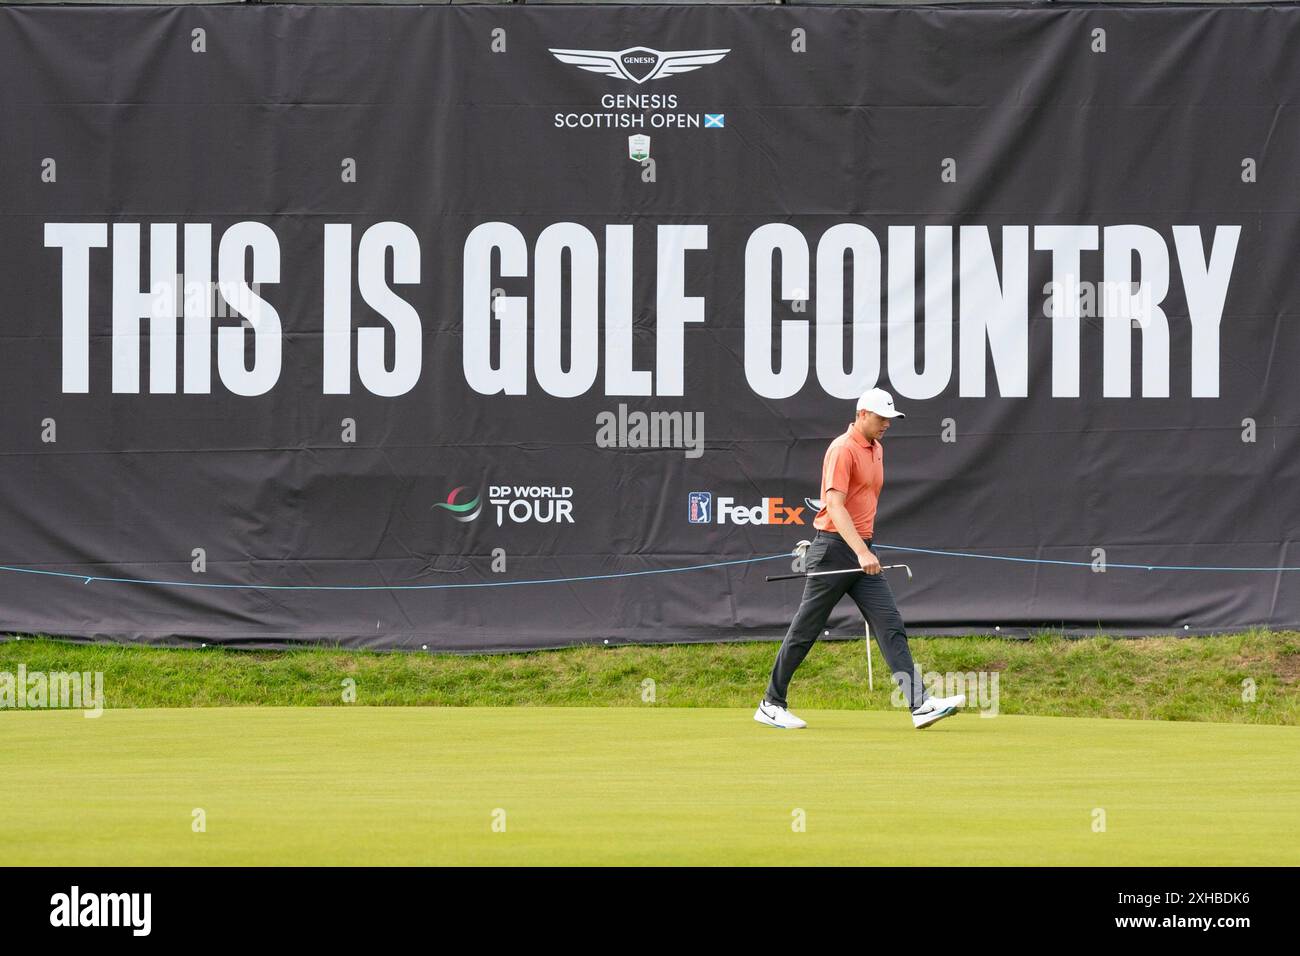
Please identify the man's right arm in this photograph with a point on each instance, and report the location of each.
(839, 514)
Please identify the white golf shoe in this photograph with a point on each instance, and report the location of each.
(774, 716)
(936, 709)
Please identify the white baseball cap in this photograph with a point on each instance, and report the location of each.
(879, 401)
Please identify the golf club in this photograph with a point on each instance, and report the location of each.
(817, 574)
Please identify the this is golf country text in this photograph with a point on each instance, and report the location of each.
(986, 294)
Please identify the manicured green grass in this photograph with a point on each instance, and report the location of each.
(645, 785)
(1200, 678)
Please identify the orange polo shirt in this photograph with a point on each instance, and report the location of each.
(856, 467)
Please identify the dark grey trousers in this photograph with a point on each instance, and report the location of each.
(874, 599)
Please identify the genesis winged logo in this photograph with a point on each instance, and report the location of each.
(639, 63)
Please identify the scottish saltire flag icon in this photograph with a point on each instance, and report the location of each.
(715, 120)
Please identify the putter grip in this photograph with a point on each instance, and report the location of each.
(782, 577)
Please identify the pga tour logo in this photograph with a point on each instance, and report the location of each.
(700, 507)
(700, 510)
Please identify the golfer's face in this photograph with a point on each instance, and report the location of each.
(873, 425)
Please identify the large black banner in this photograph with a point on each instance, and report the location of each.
(502, 327)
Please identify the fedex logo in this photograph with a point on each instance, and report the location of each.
(771, 511)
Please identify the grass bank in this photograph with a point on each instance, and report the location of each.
(1201, 678)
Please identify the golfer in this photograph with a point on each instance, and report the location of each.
(852, 475)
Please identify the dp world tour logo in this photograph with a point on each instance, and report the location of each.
(639, 63)
(462, 510)
(521, 504)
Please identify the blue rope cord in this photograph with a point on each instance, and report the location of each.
(1078, 564)
(88, 578)
(91, 578)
